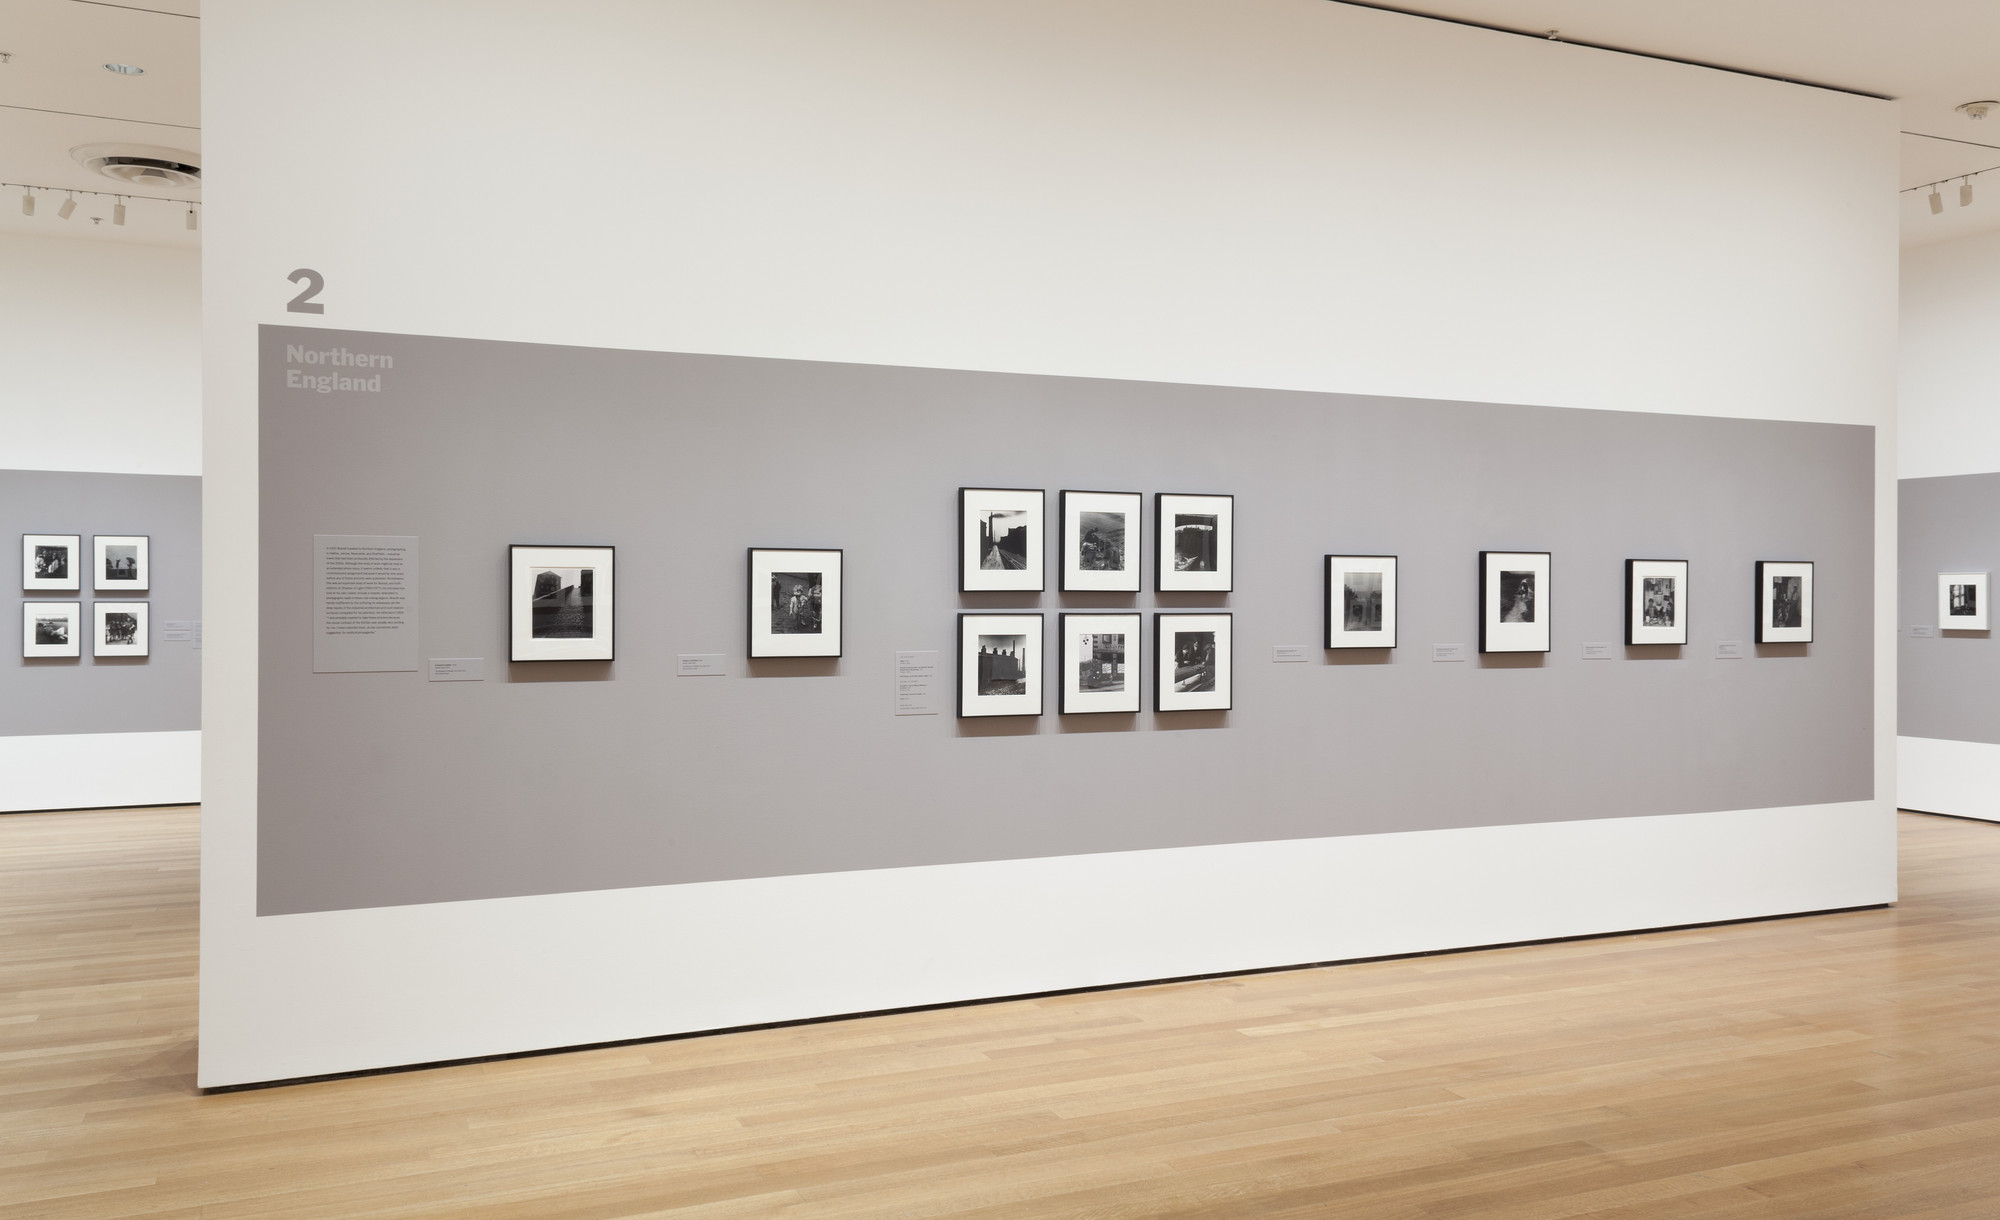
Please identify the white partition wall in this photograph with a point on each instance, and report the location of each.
(1283, 194)
(1950, 746)
(100, 428)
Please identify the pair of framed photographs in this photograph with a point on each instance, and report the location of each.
(1001, 530)
(1962, 601)
(118, 563)
(55, 629)
(1000, 663)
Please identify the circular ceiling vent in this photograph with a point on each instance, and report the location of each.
(142, 165)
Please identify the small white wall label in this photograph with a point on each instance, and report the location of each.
(1597, 652)
(458, 669)
(1290, 654)
(1450, 652)
(700, 664)
(1729, 650)
(916, 683)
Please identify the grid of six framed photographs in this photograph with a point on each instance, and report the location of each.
(121, 565)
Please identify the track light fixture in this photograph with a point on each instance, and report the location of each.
(27, 202)
(192, 224)
(118, 212)
(1965, 193)
(68, 208)
(1937, 201)
(1964, 181)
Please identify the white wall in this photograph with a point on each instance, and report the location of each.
(101, 347)
(1948, 415)
(1276, 192)
(100, 370)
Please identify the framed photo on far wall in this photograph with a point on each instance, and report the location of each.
(1000, 540)
(121, 563)
(1100, 663)
(1514, 601)
(1784, 602)
(1656, 601)
(51, 629)
(795, 603)
(999, 665)
(1191, 668)
(1196, 534)
(1360, 601)
(561, 603)
(121, 630)
(1096, 529)
(51, 563)
(1962, 601)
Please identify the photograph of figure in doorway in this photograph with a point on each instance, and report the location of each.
(1101, 546)
(561, 604)
(1656, 603)
(1003, 665)
(1194, 542)
(1517, 597)
(795, 603)
(1788, 601)
(1003, 540)
(1361, 601)
(1101, 669)
(1194, 661)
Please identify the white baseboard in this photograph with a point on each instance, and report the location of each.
(1961, 778)
(99, 770)
(300, 995)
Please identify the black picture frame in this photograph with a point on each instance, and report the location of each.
(1134, 545)
(1489, 609)
(1166, 670)
(1033, 664)
(1683, 608)
(71, 580)
(1768, 632)
(1034, 549)
(760, 647)
(1168, 577)
(1391, 608)
(518, 606)
(1067, 662)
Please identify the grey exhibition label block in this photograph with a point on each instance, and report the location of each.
(1451, 652)
(1597, 652)
(917, 683)
(1731, 650)
(152, 694)
(1945, 684)
(545, 779)
(364, 603)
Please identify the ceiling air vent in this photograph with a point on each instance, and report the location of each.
(142, 165)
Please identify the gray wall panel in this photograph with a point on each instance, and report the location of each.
(381, 789)
(159, 693)
(1945, 684)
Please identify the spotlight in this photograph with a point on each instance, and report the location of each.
(118, 212)
(191, 220)
(1965, 193)
(27, 202)
(67, 209)
(1937, 202)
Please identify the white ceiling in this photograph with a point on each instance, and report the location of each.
(1929, 55)
(55, 95)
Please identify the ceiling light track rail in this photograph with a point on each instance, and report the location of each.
(69, 193)
(1556, 36)
(108, 118)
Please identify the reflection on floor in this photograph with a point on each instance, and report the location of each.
(1835, 1066)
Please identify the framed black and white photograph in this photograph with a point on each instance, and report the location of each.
(1100, 663)
(120, 629)
(1000, 540)
(1196, 552)
(121, 563)
(1191, 665)
(1360, 601)
(561, 602)
(1514, 601)
(1100, 541)
(1656, 601)
(1784, 602)
(1962, 601)
(999, 665)
(51, 629)
(52, 563)
(795, 603)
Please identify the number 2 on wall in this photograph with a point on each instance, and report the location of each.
(304, 303)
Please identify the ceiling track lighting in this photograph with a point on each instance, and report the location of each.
(67, 208)
(1936, 199)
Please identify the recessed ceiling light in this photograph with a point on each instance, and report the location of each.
(125, 69)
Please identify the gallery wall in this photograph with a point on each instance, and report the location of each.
(1285, 194)
(100, 431)
(1949, 743)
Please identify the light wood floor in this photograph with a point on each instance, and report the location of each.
(1836, 1066)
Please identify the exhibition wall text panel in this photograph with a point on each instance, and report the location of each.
(397, 782)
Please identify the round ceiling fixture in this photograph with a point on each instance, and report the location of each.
(142, 164)
(1978, 110)
(125, 69)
